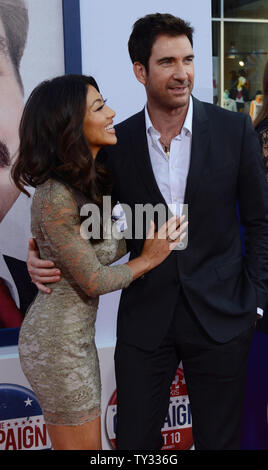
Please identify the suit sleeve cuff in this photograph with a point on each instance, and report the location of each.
(260, 311)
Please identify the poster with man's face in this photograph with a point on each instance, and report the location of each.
(31, 50)
(11, 94)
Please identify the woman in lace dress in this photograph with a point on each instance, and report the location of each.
(64, 125)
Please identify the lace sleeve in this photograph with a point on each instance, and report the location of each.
(264, 144)
(121, 249)
(61, 227)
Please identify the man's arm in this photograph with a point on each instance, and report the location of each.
(41, 271)
(253, 209)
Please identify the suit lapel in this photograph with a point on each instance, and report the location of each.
(199, 151)
(142, 159)
(198, 161)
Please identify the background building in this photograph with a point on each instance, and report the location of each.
(240, 52)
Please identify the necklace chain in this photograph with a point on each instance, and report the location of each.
(166, 147)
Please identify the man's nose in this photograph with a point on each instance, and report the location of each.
(180, 72)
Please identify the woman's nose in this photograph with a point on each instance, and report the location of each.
(111, 112)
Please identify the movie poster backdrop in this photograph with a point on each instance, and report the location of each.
(38, 53)
(31, 50)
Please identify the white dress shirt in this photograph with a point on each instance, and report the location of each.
(171, 171)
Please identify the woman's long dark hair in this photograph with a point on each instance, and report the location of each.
(263, 114)
(52, 143)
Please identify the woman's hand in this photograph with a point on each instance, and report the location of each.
(158, 245)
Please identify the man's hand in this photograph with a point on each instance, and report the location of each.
(41, 271)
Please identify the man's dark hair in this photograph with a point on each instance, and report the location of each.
(147, 29)
(14, 16)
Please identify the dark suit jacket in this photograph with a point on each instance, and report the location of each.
(222, 286)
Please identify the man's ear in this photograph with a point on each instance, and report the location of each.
(140, 72)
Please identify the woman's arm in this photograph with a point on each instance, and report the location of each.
(61, 227)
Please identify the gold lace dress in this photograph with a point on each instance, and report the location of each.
(56, 343)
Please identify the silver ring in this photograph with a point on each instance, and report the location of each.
(171, 239)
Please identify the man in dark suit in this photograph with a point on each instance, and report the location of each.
(200, 305)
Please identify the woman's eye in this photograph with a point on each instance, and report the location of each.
(101, 106)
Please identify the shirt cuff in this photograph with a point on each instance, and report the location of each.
(260, 311)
